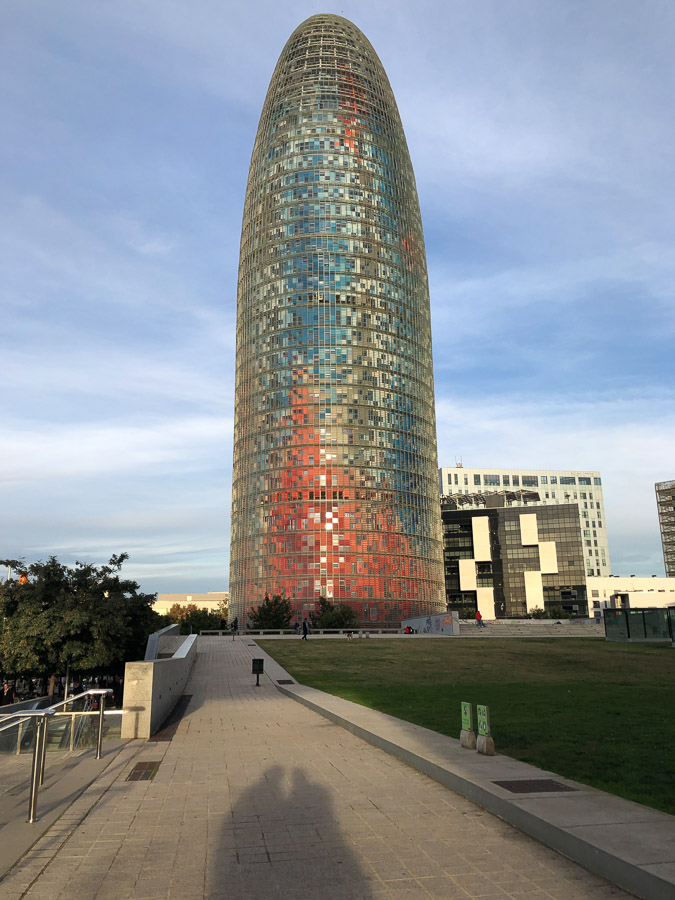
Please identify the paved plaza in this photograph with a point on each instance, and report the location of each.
(257, 796)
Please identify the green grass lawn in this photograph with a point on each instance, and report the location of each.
(601, 713)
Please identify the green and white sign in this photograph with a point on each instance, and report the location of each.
(467, 717)
(483, 719)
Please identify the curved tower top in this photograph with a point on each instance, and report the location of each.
(335, 470)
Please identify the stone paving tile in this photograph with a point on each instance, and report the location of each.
(258, 797)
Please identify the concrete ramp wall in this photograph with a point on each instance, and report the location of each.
(152, 689)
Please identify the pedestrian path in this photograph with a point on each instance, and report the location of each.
(257, 796)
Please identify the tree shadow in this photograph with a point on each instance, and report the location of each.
(283, 839)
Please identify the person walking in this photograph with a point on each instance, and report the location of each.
(479, 620)
(305, 629)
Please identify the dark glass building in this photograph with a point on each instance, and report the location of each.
(334, 482)
(507, 560)
(665, 504)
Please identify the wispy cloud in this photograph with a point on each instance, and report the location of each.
(36, 452)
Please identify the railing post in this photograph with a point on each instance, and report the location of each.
(43, 749)
(99, 742)
(36, 779)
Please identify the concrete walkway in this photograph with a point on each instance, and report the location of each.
(257, 796)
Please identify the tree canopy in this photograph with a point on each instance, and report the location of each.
(83, 616)
(192, 619)
(334, 615)
(274, 612)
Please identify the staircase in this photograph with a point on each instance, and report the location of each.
(530, 628)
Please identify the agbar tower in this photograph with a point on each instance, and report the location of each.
(335, 464)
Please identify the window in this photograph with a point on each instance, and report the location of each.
(547, 497)
(466, 480)
(530, 481)
(599, 524)
(567, 479)
(554, 479)
(492, 480)
(595, 593)
(597, 482)
(506, 480)
(553, 494)
(544, 479)
(476, 480)
(456, 478)
(583, 480)
(516, 481)
(582, 495)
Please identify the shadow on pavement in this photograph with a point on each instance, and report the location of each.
(282, 839)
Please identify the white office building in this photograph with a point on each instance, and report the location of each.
(554, 486)
(629, 591)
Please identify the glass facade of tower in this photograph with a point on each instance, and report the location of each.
(334, 483)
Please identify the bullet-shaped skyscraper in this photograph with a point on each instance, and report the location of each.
(335, 467)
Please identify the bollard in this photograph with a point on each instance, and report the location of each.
(484, 745)
(467, 736)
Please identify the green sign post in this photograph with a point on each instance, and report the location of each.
(483, 719)
(467, 716)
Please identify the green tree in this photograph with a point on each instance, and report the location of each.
(334, 615)
(85, 616)
(192, 619)
(273, 612)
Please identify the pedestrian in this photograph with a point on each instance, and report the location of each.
(7, 694)
(296, 628)
(479, 620)
(305, 629)
(235, 625)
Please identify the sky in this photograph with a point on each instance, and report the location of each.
(541, 133)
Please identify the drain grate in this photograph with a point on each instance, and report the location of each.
(250, 645)
(144, 771)
(535, 786)
(285, 681)
(172, 721)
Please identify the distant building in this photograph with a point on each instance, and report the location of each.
(627, 591)
(665, 504)
(507, 561)
(210, 601)
(555, 487)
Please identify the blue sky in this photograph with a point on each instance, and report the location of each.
(542, 135)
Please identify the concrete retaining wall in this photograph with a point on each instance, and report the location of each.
(152, 689)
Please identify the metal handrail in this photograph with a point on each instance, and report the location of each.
(40, 748)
